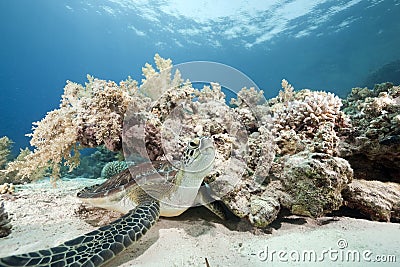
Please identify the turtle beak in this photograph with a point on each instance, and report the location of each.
(206, 145)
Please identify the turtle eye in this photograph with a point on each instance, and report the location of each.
(194, 143)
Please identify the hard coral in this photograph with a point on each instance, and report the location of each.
(112, 168)
(310, 117)
(244, 145)
(375, 137)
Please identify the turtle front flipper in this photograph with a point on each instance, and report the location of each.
(97, 247)
(205, 199)
(217, 208)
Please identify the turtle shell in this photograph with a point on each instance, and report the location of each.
(148, 172)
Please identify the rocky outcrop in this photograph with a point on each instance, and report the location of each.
(373, 144)
(314, 182)
(378, 200)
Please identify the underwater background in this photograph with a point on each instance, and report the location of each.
(324, 45)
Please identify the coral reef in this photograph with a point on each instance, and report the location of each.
(112, 168)
(5, 225)
(92, 115)
(375, 136)
(307, 179)
(283, 153)
(378, 200)
(245, 148)
(306, 176)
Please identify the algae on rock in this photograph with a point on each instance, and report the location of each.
(314, 182)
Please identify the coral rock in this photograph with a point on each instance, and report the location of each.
(263, 210)
(378, 200)
(314, 182)
(376, 130)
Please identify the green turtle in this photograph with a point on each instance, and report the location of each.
(168, 191)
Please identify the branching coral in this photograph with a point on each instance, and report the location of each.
(248, 97)
(310, 117)
(250, 108)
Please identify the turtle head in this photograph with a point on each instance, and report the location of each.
(199, 156)
(196, 162)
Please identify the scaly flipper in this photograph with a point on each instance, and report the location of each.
(217, 208)
(205, 199)
(97, 247)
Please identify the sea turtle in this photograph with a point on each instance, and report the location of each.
(142, 205)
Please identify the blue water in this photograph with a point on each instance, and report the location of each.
(325, 45)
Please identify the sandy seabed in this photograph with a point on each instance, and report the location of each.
(43, 216)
